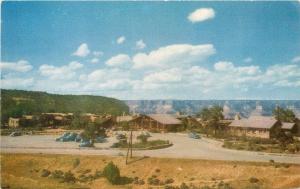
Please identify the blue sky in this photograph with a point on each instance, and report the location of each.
(153, 50)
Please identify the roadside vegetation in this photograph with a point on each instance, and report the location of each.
(66, 171)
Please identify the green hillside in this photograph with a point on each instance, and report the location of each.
(18, 102)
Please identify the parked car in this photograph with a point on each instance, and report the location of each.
(70, 137)
(120, 136)
(61, 137)
(194, 135)
(100, 139)
(78, 138)
(15, 133)
(86, 143)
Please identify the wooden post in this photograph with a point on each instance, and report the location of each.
(131, 144)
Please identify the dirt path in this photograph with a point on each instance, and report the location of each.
(183, 147)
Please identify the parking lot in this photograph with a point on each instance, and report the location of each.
(183, 147)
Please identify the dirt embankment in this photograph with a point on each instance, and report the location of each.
(24, 170)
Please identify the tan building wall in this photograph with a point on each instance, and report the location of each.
(14, 122)
(258, 133)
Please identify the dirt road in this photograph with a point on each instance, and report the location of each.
(183, 147)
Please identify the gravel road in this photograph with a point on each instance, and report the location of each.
(183, 147)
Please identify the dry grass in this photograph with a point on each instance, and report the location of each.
(23, 171)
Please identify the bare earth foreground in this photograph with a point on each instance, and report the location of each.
(24, 171)
(183, 147)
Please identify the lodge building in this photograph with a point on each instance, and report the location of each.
(260, 127)
(156, 122)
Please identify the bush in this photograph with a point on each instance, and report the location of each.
(69, 177)
(169, 181)
(253, 180)
(45, 173)
(98, 174)
(227, 144)
(112, 173)
(57, 174)
(292, 148)
(143, 138)
(184, 186)
(153, 181)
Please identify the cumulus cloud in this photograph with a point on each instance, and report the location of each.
(223, 66)
(296, 59)
(118, 60)
(82, 51)
(19, 66)
(16, 83)
(201, 15)
(63, 72)
(170, 75)
(140, 44)
(172, 55)
(121, 40)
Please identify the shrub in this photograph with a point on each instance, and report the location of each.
(98, 174)
(76, 162)
(292, 148)
(153, 181)
(112, 173)
(141, 182)
(45, 173)
(143, 138)
(184, 186)
(69, 177)
(57, 174)
(169, 181)
(227, 144)
(223, 185)
(253, 180)
(286, 165)
(272, 161)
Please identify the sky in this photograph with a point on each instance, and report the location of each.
(153, 50)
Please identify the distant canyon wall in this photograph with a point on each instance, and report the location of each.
(191, 107)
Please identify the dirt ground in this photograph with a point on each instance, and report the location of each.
(24, 171)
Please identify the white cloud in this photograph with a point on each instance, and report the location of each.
(16, 83)
(201, 15)
(118, 60)
(296, 59)
(19, 66)
(140, 44)
(223, 66)
(173, 55)
(170, 75)
(248, 60)
(95, 60)
(82, 51)
(121, 39)
(98, 53)
(63, 72)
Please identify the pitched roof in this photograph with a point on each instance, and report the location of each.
(286, 125)
(165, 119)
(262, 122)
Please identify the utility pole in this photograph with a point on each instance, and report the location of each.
(129, 149)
